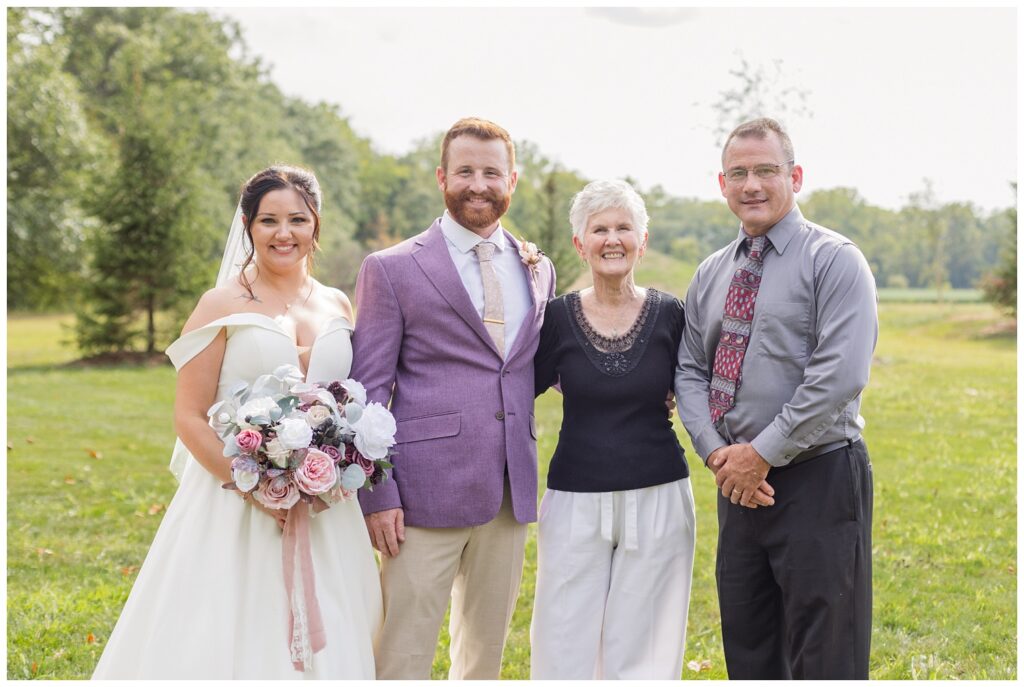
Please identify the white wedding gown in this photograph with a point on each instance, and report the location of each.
(210, 600)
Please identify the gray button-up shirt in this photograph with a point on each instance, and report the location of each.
(814, 332)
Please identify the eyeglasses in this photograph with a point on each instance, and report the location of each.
(737, 175)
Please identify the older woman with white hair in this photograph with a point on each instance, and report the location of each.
(617, 528)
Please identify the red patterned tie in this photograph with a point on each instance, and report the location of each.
(736, 322)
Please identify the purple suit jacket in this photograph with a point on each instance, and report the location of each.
(464, 414)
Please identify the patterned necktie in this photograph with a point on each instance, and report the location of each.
(494, 306)
(736, 323)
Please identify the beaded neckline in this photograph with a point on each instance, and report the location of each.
(619, 355)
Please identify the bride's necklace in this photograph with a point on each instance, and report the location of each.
(295, 301)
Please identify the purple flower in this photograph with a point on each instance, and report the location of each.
(334, 453)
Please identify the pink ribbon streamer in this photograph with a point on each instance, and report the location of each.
(296, 548)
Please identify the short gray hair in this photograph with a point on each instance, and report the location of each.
(604, 194)
(759, 129)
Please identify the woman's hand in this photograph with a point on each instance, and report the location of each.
(278, 514)
(670, 403)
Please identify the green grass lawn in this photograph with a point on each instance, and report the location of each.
(930, 296)
(87, 484)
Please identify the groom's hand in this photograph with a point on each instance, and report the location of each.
(387, 530)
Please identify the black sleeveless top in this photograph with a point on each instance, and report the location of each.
(616, 434)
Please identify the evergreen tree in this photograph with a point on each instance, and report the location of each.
(146, 259)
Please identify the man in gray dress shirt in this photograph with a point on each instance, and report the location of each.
(775, 394)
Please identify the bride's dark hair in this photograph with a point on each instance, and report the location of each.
(276, 178)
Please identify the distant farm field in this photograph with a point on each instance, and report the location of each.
(87, 486)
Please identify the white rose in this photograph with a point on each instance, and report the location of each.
(356, 391)
(316, 415)
(246, 473)
(245, 481)
(277, 453)
(294, 433)
(257, 406)
(375, 431)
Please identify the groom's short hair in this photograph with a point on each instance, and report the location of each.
(478, 128)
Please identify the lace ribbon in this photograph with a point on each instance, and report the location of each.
(305, 627)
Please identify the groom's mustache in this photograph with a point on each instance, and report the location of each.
(467, 196)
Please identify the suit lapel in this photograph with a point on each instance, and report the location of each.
(532, 319)
(436, 263)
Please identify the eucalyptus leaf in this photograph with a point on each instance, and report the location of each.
(237, 389)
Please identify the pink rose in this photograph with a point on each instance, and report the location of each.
(249, 440)
(366, 464)
(334, 453)
(317, 473)
(277, 492)
(354, 457)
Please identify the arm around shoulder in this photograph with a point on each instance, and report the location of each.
(340, 299)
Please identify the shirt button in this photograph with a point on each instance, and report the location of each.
(500, 415)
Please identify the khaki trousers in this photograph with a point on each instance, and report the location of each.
(479, 568)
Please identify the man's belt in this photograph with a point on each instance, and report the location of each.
(821, 450)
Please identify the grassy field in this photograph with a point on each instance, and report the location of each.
(83, 504)
(930, 296)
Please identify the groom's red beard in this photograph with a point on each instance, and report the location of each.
(476, 218)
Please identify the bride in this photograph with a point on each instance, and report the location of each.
(210, 599)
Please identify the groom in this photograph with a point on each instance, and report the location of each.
(449, 321)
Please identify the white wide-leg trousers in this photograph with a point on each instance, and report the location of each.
(613, 583)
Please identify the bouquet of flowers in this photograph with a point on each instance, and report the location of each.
(294, 441)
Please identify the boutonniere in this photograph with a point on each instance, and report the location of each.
(530, 254)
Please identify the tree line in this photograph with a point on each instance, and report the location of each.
(130, 131)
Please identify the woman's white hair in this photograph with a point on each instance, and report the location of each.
(604, 194)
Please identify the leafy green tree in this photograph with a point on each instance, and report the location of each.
(50, 151)
(151, 83)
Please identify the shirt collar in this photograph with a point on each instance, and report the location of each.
(779, 235)
(465, 240)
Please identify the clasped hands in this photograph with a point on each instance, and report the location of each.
(739, 473)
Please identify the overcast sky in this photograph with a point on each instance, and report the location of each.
(894, 95)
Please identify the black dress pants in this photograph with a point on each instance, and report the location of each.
(794, 579)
